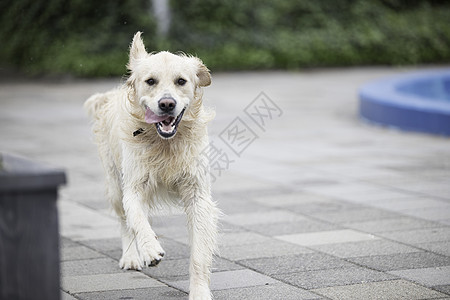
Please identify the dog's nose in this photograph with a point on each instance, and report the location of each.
(167, 104)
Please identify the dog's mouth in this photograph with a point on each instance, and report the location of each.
(166, 125)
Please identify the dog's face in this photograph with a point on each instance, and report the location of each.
(164, 85)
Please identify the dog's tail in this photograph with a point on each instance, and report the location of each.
(94, 103)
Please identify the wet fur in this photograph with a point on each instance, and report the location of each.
(146, 171)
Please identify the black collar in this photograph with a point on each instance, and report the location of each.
(138, 132)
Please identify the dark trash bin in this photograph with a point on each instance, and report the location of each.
(29, 239)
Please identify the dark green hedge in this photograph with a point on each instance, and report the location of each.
(85, 38)
(88, 38)
(293, 34)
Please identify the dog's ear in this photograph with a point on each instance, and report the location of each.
(137, 50)
(204, 77)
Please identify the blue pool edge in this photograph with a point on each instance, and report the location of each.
(381, 103)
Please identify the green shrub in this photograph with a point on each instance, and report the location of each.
(88, 38)
(85, 38)
(295, 34)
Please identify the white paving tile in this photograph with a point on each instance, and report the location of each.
(107, 282)
(326, 237)
(78, 222)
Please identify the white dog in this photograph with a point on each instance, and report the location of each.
(151, 133)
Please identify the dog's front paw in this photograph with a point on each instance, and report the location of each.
(151, 252)
(131, 261)
(199, 292)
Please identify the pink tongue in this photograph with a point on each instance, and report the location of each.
(151, 117)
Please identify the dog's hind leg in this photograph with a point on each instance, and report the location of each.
(202, 215)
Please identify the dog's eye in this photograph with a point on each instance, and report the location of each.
(151, 81)
(181, 81)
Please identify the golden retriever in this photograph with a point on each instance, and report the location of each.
(150, 133)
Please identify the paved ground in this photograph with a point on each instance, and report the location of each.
(318, 205)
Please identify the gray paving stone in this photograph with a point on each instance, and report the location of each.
(393, 289)
(170, 268)
(443, 289)
(101, 206)
(445, 222)
(432, 214)
(225, 228)
(172, 232)
(288, 199)
(252, 194)
(156, 293)
(180, 267)
(221, 265)
(355, 215)
(91, 195)
(333, 277)
(168, 221)
(66, 296)
(440, 234)
(104, 245)
(237, 182)
(79, 222)
(113, 248)
(326, 237)
(271, 249)
(242, 238)
(230, 280)
(434, 188)
(263, 217)
(414, 203)
(183, 239)
(295, 263)
(342, 190)
(232, 204)
(292, 227)
(105, 282)
(437, 247)
(401, 261)
(174, 249)
(329, 206)
(365, 248)
(90, 266)
(114, 254)
(358, 192)
(66, 243)
(312, 178)
(78, 252)
(426, 276)
(267, 292)
(396, 224)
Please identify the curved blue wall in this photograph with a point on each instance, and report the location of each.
(418, 102)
